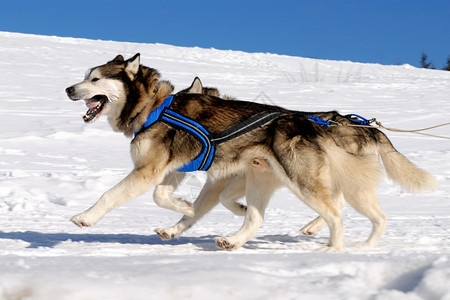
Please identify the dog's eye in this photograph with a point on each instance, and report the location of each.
(95, 79)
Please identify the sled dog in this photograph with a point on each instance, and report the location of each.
(186, 132)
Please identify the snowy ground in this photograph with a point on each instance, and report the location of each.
(53, 166)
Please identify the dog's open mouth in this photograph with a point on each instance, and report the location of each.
(96, 105)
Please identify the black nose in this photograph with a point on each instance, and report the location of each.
(70, 90)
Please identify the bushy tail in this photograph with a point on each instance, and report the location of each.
(401, 170)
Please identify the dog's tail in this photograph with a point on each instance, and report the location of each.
(401, 170)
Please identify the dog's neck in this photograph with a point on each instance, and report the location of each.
(148, 100)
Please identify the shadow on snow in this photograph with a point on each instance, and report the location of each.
(206, 243)
(50, 240)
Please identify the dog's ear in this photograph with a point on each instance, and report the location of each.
(196, 87)
(118, 58)
(132, 66)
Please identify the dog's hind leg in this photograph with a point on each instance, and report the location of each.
(366, 203)
(206, 200)
(332, 216)
(318, 223)
(236, 189)
(259, 189)
(318, 196)
(135, 184)
(163, 195)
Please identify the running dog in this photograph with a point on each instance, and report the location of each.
(187, 132)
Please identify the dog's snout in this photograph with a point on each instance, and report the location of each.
(70, 90)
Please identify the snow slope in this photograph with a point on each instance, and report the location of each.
(53, 166)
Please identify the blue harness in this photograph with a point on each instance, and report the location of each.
(203, 161)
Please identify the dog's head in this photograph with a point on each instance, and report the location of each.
(105, 85)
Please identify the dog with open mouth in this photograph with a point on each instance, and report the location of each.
(186, 131)
(87, 90)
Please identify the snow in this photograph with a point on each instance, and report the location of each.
(53, 166)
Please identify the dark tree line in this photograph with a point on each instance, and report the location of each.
(429, 65)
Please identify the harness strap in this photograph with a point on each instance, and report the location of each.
(357, 119)
(204, 160)
(318, 120)
(245, 126)
(155, 114)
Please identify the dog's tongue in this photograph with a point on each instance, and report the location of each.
(91, 103)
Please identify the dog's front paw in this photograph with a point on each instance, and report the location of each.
(165, 234)
(225, 244)
(81, 220)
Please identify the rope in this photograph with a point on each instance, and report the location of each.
(359, 121)
(416, 131)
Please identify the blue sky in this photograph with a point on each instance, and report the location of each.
(374, 31)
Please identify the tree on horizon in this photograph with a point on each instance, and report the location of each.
(424, 63)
